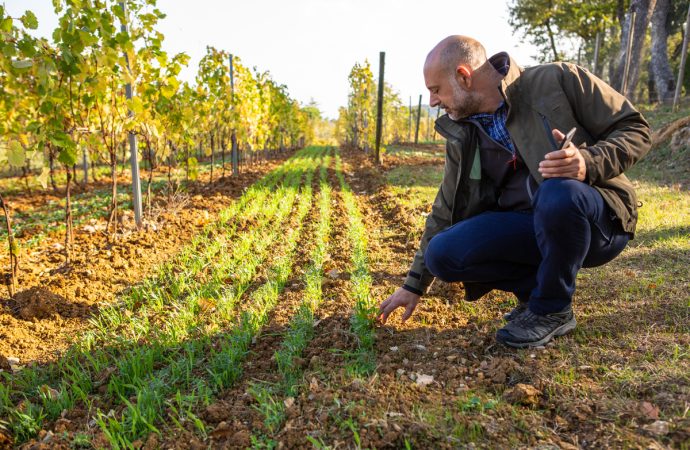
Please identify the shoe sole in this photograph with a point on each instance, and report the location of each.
(560, 331)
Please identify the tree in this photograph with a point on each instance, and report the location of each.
(643, 10)
(361, 103)
(660, 69)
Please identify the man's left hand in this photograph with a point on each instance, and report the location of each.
(565, 163)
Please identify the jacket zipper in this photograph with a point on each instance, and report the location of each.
(548, 129)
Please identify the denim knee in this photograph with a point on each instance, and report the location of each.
(557, 197)
(436, 257)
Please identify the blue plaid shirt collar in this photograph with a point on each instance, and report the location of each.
(495, 125)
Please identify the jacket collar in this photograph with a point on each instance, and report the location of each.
(510, 81)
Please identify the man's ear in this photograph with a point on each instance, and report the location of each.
(463, 74)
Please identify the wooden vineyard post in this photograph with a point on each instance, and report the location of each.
(233, 135)
(597, 48)
(628, 56)
(438, 113)
(379, 107)
(683, 56)
(136, 182)
(419, 112)
(409, 122)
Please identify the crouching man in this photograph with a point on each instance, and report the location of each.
(521, 209)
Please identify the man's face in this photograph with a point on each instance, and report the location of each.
(445, 91)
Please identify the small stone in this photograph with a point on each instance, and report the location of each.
(658, 428)
(419, 347)
(394, 349)
(334, 274)
(424, 380)
(452, 358)
(540, 347)
(532, 355)
(400, 372)
(289, 402)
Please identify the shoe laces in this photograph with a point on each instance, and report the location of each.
(529, 317)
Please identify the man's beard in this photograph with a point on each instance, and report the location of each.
(465, 103)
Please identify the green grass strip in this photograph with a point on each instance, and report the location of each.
(362, 321)
(224, 365)
(117, 318)
(301, 329)
(78, 377)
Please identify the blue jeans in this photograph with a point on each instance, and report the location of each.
(534, 254)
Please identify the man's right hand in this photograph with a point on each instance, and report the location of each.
(400, 298)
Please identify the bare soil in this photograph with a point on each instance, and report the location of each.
(55, 300)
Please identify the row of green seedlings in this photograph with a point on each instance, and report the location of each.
(236, 343)
(173, 279)
(73, 365)
(301, 328)
(221, 354)
(168, 289)
(179, 286)
(80, 371)
(363, 361)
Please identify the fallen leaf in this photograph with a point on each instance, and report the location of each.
(649, 410)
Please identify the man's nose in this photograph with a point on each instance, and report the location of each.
(433, 100)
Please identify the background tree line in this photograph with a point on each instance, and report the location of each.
(594, 33)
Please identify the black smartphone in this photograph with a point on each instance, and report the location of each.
(567, 139)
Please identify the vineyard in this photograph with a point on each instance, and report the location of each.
(234, 303)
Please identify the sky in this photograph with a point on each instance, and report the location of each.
(311, 45)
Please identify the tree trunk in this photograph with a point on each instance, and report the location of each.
(68, 217)
(150, 179)
(212, 154)
(551, 39)
(652, 94)
(643, 10)
(14, 250)
(112, 218)
(51, 165)
(660, 67)
(222, 149)
(186, 164)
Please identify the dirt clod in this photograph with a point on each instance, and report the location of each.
(522, 394)
(37, 303)
(5, 364)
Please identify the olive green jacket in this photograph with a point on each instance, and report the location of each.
(611, 135)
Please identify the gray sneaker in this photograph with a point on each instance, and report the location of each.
(532, 330)
(519, 309)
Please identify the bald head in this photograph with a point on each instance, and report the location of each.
(455, 50)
